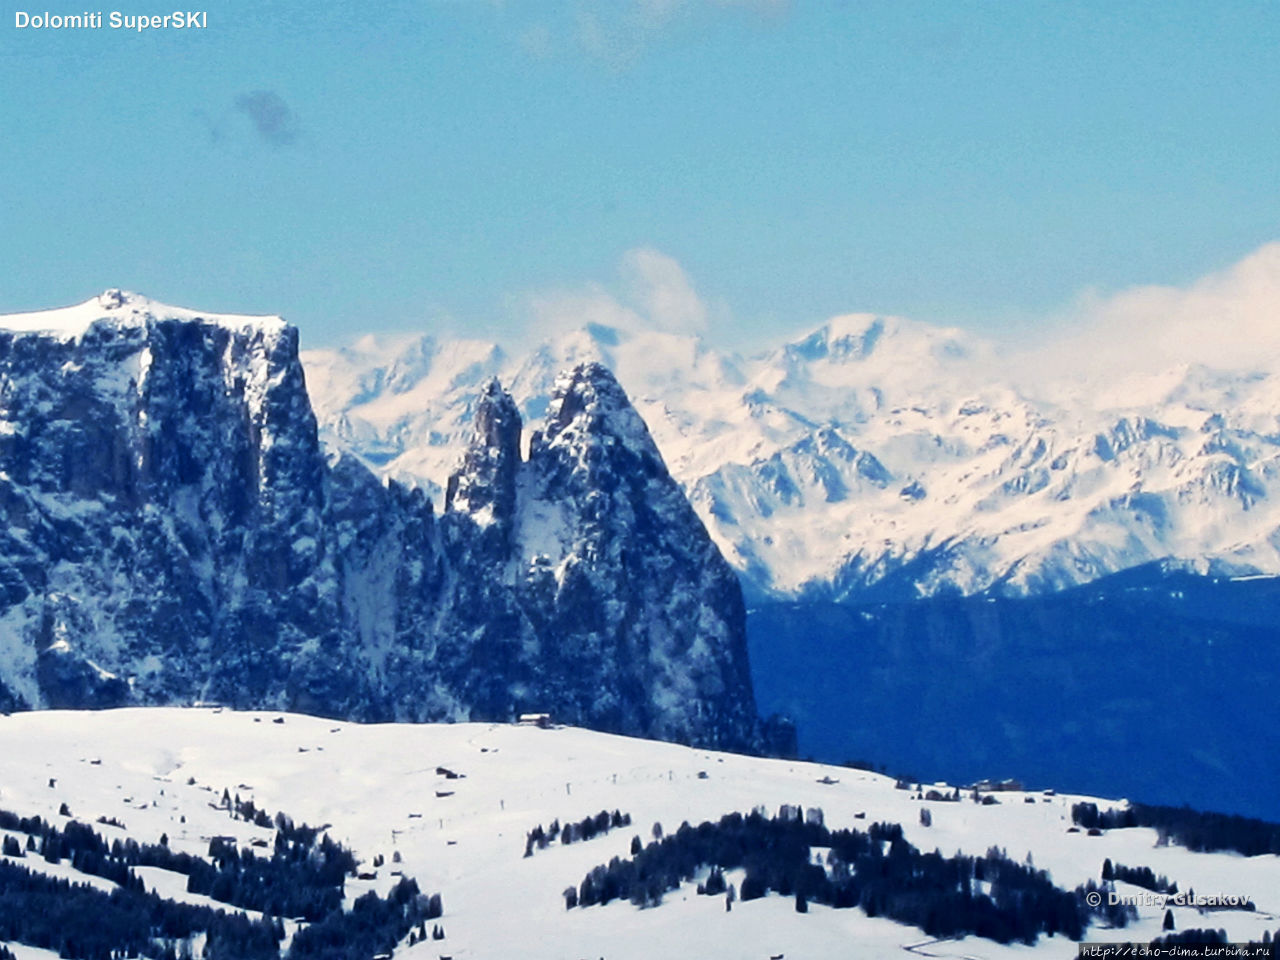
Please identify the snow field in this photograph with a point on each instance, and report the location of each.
(377, 786)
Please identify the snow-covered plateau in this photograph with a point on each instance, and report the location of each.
(451, 807)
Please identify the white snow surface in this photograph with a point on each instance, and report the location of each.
(829, 464)
(121, 308)
(376, 786)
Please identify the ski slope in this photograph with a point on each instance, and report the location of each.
(379, 789)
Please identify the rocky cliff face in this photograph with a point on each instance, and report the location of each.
(628, 611)
(173, 531)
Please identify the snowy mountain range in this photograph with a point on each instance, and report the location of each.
(877, 457)
(175, 532)
(453, 808)
(921, 539)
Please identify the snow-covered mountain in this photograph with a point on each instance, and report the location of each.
(451, 807)
(174, 532)
(876, 457)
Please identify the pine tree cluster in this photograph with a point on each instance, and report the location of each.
(878, 871)
(1197, 831)
(373, 926)
(303, 878)
(588, 828)
(1143, 877)
(82, 922)
(1198, 937)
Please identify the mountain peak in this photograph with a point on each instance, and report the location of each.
(178, 532)
(113, 298)
(588, 389)
(588, 402)
(853, 336)
(485, 483)
(859, 336)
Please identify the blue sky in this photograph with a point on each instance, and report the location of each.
(432, 164)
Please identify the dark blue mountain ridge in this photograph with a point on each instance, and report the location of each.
(1155, 684)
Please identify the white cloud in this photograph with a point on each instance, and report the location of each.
(617, 32)
(559, 311)
(653, 293)
(661, 287)
(1229, 319)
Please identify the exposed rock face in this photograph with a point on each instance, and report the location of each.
(630, 615)
(172, 532)
(485, 484)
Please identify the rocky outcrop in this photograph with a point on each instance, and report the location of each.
(173, 531)
(621, 607)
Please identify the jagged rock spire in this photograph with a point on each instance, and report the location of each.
(589, 398)
(642, 597)
(486, 477)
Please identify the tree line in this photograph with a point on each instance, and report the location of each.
(1195, 830)
(878, 871)
(588, 828)
(1143, 877)
(80, 921)
(302, 878)
(1198, 937)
